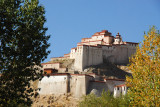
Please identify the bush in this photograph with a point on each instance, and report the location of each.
(105, 100)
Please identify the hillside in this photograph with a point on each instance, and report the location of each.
(107, 70)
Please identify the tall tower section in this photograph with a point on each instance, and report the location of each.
(87, 56)
(78, 64)
(92, 55)
(118, 39)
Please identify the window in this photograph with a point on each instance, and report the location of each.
(118, 88)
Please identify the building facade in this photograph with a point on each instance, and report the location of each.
(78, 85)
(102, 46)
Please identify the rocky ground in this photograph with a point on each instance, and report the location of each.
(110, 71)
(55, 101)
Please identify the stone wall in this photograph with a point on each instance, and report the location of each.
(91, 56)
(73, 53)
(94, 55)
(118, 54)
(79, 84)
(55, 59)
(108, 39)
(97, 87)
(76, 84)
(51, 65)
(56, 84)
(79, 58)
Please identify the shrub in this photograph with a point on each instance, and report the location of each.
(105, 100)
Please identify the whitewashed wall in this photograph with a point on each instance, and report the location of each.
(73, 53)
(78, 58)
(118, 54)
(92, 56)
(53, 85)
(108, 39)
(120, 91)
(79, 84)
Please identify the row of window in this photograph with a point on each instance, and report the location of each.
(118, 88)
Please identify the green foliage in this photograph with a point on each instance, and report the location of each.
(23, 45)
(145, 67)
(105, 100)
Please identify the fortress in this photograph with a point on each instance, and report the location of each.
(102, 47)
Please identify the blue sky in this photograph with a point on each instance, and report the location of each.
(69, 21)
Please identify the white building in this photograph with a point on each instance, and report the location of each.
(78, 85)
(120, 90)
(63, 83)
(102, 46)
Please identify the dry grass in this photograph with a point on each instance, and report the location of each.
(55, 101)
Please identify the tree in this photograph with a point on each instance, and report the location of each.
(23, 45)
(145, 66)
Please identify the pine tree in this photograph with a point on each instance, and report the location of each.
(145, 66)
(23, 45)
